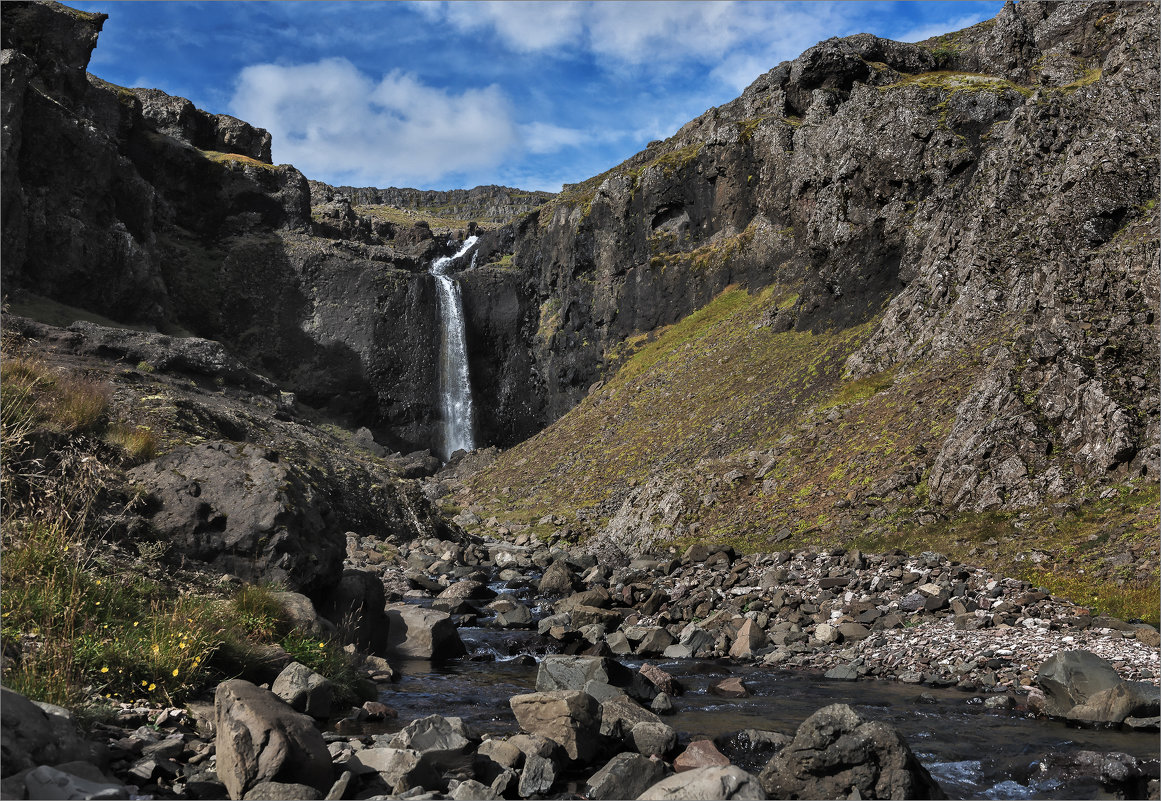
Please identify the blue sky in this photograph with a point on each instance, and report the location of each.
(439, 95)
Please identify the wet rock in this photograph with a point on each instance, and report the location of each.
(468, 589)
(732, 687)
(663, 681)
(624, 776)
(836, 753)
(704, 784)
(574, 672)
(662, 704)
(570, 718)
(751, 749)
(305, 690)
(419, 633)
(260, 738)
(842, 673)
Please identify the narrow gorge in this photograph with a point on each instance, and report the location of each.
(811, 451)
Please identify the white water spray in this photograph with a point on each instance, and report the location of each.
(455, 388)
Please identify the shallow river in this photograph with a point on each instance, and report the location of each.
(973, 752)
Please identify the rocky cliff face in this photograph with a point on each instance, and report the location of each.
(959, 234)
(484, 204)
(962, 231)
(140, 207)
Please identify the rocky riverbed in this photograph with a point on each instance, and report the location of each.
(669, 677)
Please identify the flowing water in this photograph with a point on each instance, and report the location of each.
(455, 387)
(972, 751)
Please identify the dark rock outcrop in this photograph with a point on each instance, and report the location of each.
(180, 119)
(238, 507)
(836, 753)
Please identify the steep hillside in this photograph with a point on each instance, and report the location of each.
(947, 281)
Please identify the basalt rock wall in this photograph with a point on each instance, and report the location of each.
(990, 193)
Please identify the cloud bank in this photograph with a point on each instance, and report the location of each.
(329, 118)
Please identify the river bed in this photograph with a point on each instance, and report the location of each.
(972, 751)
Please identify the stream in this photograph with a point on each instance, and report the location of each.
(972, 751)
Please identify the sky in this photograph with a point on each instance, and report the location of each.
(445, 95)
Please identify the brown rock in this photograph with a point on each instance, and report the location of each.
(700, 754)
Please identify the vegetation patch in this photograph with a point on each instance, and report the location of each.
(81, 619)
(236, 158)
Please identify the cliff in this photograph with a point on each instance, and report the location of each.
(888, 286)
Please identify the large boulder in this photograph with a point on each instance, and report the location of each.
(624, 776)
(570, 718)
(1080, 686)
(30, 736)
(574, 672)
(260, 738)
(305, 690)
(446, 743)
(246, 511)
(836, 753)
(418, 633)
(705, 784)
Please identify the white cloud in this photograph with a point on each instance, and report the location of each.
(542, 137)
(330, 119)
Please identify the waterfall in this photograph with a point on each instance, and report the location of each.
(455, 388)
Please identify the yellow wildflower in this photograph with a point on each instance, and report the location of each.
(175, 671)
(151, 687)
(104, 670)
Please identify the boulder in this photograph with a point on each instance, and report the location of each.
(1080, 686)
(445, 742)
(260, 738)
(244, 510)
(29, 736)
(836, 753)
(47, 783)
(282, 791)
(302, 614)
(419, 633)
(704, 784)
(400, 769)
(663, 681)
(557, 579)
(537, 777)
(356, 607)
(574, 672)
(305, 690)
(700, 754)
(624, 776)
(750, 639)
(570, 718)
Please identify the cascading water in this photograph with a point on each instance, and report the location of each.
(455, 388)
